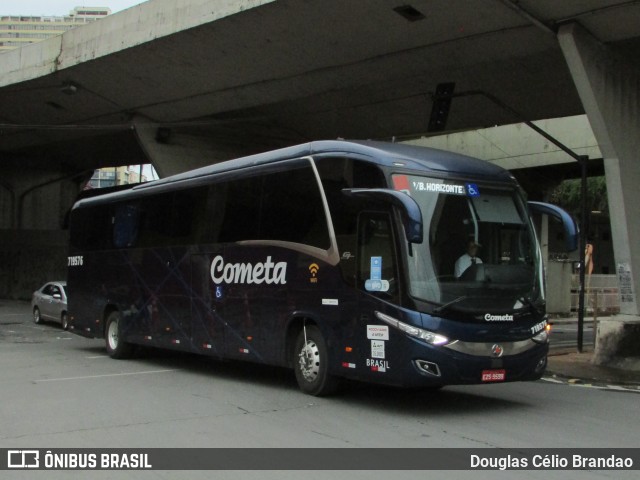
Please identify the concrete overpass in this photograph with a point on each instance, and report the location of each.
(189, 82)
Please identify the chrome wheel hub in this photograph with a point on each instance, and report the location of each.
(113, 335)
(309, 361)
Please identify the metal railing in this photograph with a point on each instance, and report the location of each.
(601, 294)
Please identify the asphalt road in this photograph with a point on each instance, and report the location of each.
(564, 334)
(60, 390)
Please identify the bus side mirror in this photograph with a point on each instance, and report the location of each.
(569, 226)
(409, 209)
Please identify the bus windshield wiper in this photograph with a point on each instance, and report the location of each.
(444, 307)
(529, 302)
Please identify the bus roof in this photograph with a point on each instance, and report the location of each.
(381, 153)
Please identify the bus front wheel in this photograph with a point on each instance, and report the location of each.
(311, 363)
(116, 347)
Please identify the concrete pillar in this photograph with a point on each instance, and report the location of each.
(34, 203)
(609, 87)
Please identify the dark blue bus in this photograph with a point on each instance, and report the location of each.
(334, 258)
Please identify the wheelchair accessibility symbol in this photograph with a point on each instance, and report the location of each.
(473, 190)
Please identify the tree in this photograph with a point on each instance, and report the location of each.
(568, 196)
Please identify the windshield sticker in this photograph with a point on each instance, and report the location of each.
(376, 268)
(420, 186)
(375, 282)
(473, 190)
(403, 184)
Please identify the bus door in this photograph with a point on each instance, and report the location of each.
(377, 279)
(207, 324)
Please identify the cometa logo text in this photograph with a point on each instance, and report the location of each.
(263, 272)
(498, 318)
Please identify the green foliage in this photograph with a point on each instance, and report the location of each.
(568, 196)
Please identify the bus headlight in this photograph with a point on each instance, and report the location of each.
(542, 337)
(429, 337)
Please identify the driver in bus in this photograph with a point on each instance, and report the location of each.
(468, 259)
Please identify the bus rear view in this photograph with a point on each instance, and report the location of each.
(370, 261)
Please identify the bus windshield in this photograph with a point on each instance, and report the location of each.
(479, 252)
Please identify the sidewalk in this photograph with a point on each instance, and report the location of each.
(573, 367)
(568, 365)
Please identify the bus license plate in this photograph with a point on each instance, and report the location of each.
(493, 375)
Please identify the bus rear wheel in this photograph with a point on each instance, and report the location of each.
(310, 361)
(116, 347)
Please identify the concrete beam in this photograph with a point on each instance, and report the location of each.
(174, 149)
(518, 146)
(609, 88)
(114, 33)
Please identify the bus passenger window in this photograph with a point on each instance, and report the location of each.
(125, 226)
(91, 228)
(377, 272)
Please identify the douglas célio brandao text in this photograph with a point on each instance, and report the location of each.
(550, 462)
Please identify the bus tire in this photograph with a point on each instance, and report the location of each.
(311, 363)
(116, 347)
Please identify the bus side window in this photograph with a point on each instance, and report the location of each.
(91, 228)
(283, 205)
(125, 225)
(338, 173)
(377, 269)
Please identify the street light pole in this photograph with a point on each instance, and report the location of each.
(583, 248)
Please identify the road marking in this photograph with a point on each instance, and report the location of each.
(99, 356)
(623, 388)
(146, 372)
(575, 382)
(552, 380)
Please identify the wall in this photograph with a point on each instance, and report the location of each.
(29, 258)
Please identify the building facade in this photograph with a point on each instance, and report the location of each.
(17, 31)
(111, 177)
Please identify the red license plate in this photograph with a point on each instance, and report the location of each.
(493, 375)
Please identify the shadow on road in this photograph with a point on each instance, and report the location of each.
(390, 399)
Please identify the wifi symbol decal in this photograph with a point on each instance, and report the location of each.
(313, 270)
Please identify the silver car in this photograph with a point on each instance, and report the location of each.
(50, 303)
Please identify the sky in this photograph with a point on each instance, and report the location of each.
(59, 8)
